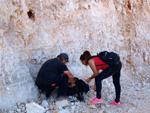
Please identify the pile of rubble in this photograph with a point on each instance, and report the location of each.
(134, 95)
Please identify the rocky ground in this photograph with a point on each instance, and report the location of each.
(135, 98)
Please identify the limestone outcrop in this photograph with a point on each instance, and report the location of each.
(32, 31)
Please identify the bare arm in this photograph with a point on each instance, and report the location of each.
(93, 67)
(70, 76)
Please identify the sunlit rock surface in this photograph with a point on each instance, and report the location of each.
(32, 31)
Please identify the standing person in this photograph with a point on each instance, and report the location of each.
(55, 73)
(97, 64)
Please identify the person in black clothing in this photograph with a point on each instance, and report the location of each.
(54, 73)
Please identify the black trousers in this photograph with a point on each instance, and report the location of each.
(113, 71)
(61, 82)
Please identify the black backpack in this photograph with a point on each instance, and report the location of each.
(79, 88)
(109, 58)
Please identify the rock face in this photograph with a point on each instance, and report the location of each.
(33, 31)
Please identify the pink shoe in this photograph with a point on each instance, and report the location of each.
(96, 100)
(116, 103)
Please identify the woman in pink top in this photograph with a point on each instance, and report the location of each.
(97, 64)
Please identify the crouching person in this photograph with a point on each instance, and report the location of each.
(54, 73)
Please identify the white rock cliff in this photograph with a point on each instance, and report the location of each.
(32, 31)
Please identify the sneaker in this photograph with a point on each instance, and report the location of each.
(96, 100)
(116, 103)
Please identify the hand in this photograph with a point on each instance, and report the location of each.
(88, 80)
(71, 83)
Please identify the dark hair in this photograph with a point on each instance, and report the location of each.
(85, 56)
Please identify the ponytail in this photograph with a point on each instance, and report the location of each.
(85, 56)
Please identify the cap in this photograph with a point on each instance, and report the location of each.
(65, 56)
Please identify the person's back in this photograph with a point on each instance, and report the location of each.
(50, 70)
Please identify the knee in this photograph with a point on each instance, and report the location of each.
(39, 87)
(98, 79)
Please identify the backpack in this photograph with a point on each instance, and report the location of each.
(109, 58)
(79, 88)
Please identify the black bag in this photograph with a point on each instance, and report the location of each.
(109, 58)
(79, 88)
